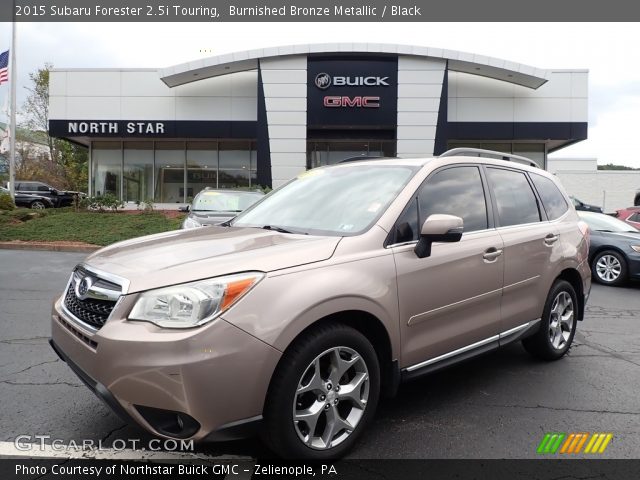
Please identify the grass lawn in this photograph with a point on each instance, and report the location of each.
(90, 227)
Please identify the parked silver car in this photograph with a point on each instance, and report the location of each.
(297, 314)
(212, 207)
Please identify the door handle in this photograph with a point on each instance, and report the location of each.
(492, 254)
(551, 239)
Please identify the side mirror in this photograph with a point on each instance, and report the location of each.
(438, 228)
(184, 208)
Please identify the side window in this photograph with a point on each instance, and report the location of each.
(43, 188)
(634, 218)
(515, 200)
(552, 200)
(455, 191)
(27, 187)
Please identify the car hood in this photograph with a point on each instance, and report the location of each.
(621, 236)
(186, 255)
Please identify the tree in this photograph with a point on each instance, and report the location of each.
(67, 162)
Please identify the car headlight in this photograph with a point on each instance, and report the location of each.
(190, 223)
(636, 248)
(193, 304)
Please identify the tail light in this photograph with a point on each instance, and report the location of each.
(584, 229)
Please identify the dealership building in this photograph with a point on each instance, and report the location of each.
(260, 117)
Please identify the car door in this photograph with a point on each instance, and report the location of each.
(532, 247)
(451, 299)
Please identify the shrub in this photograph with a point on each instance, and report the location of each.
(148, 205)
(101, 202)
(6, 203)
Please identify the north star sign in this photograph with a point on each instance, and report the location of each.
(114, 127)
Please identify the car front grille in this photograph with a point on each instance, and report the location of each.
(89, 310)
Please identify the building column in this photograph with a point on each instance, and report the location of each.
(420, 82)
(285, 96)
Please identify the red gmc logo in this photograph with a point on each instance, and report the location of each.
(350, 102)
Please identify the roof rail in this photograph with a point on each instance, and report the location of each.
(361, 157)
(479, 152)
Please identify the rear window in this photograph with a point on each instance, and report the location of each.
(552, 199)
(515, 200)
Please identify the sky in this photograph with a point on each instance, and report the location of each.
(607, 50)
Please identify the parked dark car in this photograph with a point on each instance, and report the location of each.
(614, 252)
(59, 198)
(212, 207)
(630, 215)
(585, 207)
(37, 202)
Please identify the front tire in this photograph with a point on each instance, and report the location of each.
(609, 268)
(558, 323)
(322, 395)
(38, 205)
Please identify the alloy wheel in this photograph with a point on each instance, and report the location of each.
(331, 397)
(608, 268)
(561, 320)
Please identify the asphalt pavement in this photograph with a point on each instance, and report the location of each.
(496, 406)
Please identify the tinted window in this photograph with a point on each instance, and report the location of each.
(634, 218)
(455, 191)
(516, 201)
(406, 229)
(42, 188)
(27, 187)
(552, 200)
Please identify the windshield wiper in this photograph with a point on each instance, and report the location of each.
(275, 228)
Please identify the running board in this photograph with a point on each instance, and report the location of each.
(470, 351)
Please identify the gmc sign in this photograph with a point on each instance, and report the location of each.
(347, 102)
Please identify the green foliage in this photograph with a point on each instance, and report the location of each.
(612, 166)
(6, 203)
(62, 164)
(89, 227)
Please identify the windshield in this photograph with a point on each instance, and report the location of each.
(216, 201)
(340, 200)
(605, 223)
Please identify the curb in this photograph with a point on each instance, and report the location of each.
(48, 247)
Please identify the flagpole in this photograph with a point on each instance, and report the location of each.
(12, 131)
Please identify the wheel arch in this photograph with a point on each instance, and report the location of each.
(572, 276)
(375, 331)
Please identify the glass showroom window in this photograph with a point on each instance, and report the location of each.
(170, 159)
(235, 164)
(138, 171)
(106, 160)
(202, 167)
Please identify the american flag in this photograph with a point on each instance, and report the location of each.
(4, 67)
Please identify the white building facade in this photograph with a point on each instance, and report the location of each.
(259, 118)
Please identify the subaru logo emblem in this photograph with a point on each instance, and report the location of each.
(83, 286)
(323, 81)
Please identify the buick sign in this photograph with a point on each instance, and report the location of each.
(323, 81)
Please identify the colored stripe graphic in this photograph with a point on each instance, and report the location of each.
(550, 443)
(572, 443)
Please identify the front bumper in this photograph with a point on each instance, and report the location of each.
(208, 382)
(634, 265)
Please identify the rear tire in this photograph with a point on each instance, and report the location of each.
(558, 323)
(322, 395)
